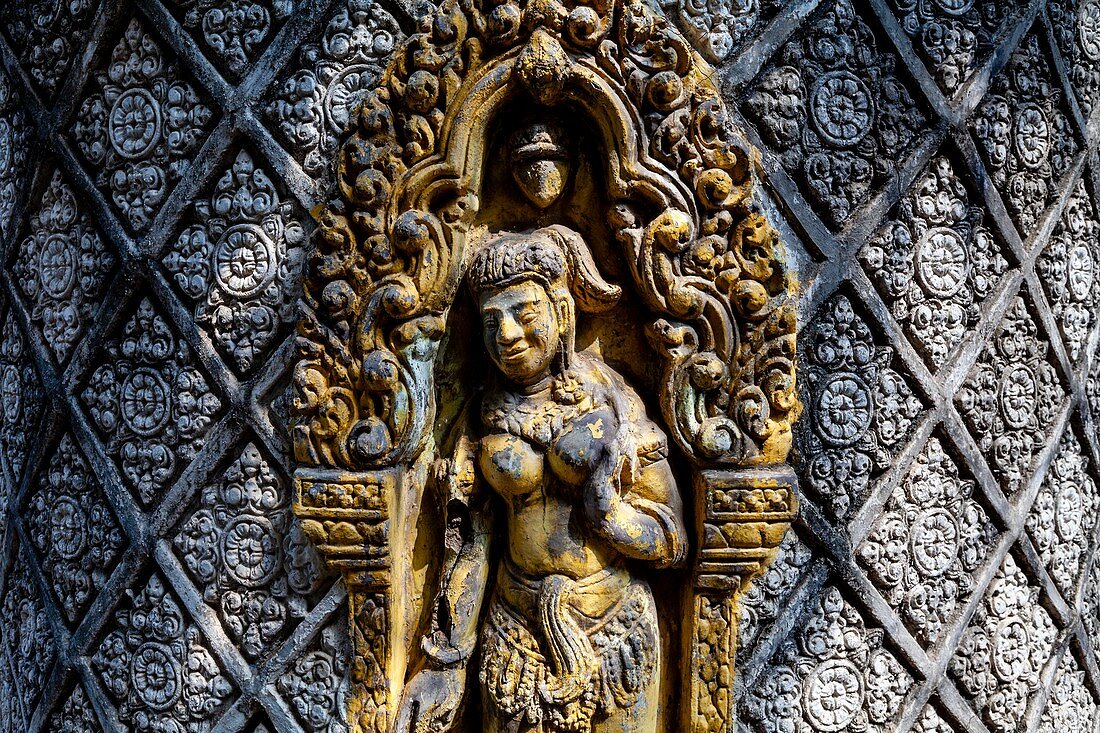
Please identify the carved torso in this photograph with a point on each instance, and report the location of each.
(538, 450)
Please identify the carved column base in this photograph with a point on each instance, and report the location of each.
(347, 515)
(742, 517)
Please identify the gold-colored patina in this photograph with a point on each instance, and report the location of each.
(546, 330)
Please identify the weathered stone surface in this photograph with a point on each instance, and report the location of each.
(935, 160)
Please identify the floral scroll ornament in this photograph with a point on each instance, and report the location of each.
(238, 262)
(141, 128)
(235, 31)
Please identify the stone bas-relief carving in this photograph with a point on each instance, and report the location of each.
(638, 349)
(570, 639)
(917, 482)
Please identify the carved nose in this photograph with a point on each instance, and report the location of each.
(509, 332)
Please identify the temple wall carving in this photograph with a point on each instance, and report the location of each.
(822, 388)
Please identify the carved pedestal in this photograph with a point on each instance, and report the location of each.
(347, 515)
(742, 516)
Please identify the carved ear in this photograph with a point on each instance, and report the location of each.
(592, 293)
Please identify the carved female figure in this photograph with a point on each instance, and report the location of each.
(580, 475)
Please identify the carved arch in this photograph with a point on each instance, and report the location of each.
(389, 252)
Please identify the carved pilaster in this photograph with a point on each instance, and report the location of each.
(347, 515)
(742, 516)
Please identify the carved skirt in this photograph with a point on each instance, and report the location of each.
(567, 653)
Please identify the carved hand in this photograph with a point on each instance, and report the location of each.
(431, 701)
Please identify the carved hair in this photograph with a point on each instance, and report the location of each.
(555, 257)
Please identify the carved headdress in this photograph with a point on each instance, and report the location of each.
(557, 258)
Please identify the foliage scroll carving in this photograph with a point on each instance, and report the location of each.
(704, 268)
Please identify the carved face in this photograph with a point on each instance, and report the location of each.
(521, 324)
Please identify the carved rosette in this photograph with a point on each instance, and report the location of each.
(389, 256)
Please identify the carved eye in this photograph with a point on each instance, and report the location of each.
(528, 317)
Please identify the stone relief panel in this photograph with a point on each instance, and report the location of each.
(15, 134)
(927, 545)
(27, 633)
(23, 395)
(936, 261)
(62, 267)
(1012, 396)
(315, 684)
(719, 28)
(1002, 654)
(158, 668)
(73, 528)
(1076, 28)
(1062, 522)
(835, 112)
(311, 108)
(1068, 269)
(243, 550)
(140, 125)
(1072, 704)
(240, 261)
(863, 409)
(927, 323)
(235, 32)
(1024, 133)
(75, 714)
(954, 37)
(834, 674)
(48, 37)
(150, 402)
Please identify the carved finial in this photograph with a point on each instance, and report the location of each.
(539, 155)
(542, 66)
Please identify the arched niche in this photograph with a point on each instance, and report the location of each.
(711, 287)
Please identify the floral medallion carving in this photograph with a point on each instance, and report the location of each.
(1062, 521)
(954, 37)
(239, 262)
(149, 402)
(1012, 395)
(141, 126)
(75, 714)
(62, 268)
(719, 28)
(15, 136)
(1090, 604)
(157, 667)
(835, 112)
(73, 528)
(833, 674)
(312, 107)
(765, 599)
(1071, 705)
(47, 37)
(1076, 28)
(935, 262)
(315, 684)
(1024, 134)
(930, 540)
(1004, 649)
(22, 394)
(234, 32)
(864, 409)
(243, 548)
(26, 631)
(1069, 269)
